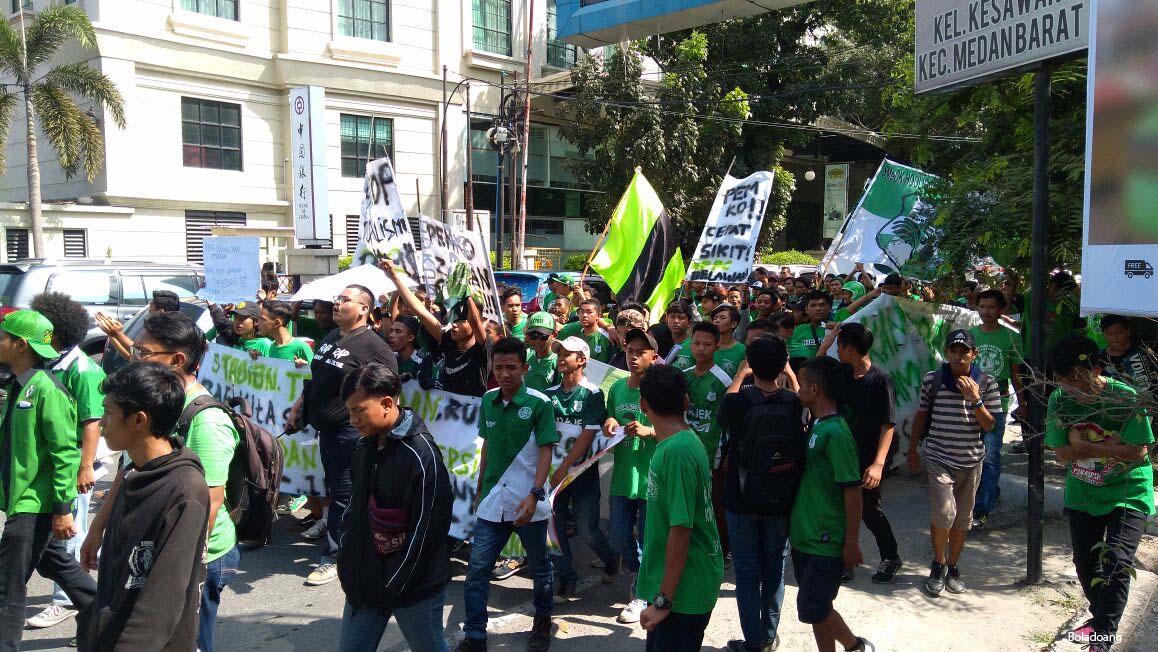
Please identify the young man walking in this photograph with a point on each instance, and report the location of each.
(517, 426)
(590, 329)
(394, 560)
(809, 335)
(758, 535)
(151, 562)
(870, 416)
(513, 318)
(679, 318)
(956, 407)
(632, 458)
(999, 356)
(274, 323)
(730, 353)
(82, 380)
(682, 566)
(39, 458)
(580, 403)
(826, 514)
(541, 357)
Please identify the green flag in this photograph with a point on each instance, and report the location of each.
(640, 259)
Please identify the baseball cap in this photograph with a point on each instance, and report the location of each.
(961, 337)
(638, 333)
(892, 279)
(631, 317)
(246, 309)
(561, 277)
(32, 327)
(543, 321)
(573, 344)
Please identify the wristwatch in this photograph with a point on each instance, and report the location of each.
(978, 403)
(661, 601)
(539, 493)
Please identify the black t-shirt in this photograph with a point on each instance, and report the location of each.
(463, 372)
(733, 409)
(336, 357)
(871, 407)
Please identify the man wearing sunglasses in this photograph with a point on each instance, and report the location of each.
(541, 359)
(352, 345)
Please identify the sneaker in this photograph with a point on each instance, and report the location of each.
(1018, 447)
(737, 646)
(566, 592)
(508, 567)
(316, 531)
(728, 561)
(953, 581)
(540, 640)
(936, 582)
(609, 572)
(323, 574)
(980, 521)
(72, 642)
(773, 646)
(887, 571)
(862, 645)
(1083, 634)
(52, 615)
(597, 563)
(1097, 646)
(847, 576)
(630, 613)
(472, 645)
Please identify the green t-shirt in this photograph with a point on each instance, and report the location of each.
(411, 364)
(807, 345)
(519, 329)
(1099, 486)
(705, 393)
(259, 344)
(82, 377)
(214, 439)
(309, 327)
(679, 494)
(633, 454)
(681, 355)
(997, 352)
(599, 341)
(729, 359)
(842, 314)
(818, 520)
(541, 371)
(583, 406)
(506, 428)
(295, 348)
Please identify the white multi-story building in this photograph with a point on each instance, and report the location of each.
(206, 86)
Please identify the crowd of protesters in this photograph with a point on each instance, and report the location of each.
(756, 430)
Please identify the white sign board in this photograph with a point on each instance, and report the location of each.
(728, 243)
(1120, 246)
(447, 254)
(835, 198)
(309, 189)
(963, 42)
(384, 231)
(232, 268)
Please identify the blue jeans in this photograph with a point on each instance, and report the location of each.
(990, 488)
(218, 574)
(420, 624)
(581, 501)
(486, 544)
(337, 452)
(759, 549)
(625, 514)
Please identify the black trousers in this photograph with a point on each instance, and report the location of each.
(678, 633)
(27, 545)
(1120, 531)
(875, 520)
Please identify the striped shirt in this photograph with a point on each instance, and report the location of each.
(954, 439)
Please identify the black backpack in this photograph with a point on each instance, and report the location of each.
(254, 484)
(771, 449)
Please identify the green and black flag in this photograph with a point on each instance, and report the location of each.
(640, 259)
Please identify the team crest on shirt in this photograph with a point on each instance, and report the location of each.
(577, 405)
(140, 563)
(712, 395)
(491, 423)
(525, 413)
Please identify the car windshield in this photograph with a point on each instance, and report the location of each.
(9, 279)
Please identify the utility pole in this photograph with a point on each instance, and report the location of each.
(445, 194)
(468, 201)
(520, 230)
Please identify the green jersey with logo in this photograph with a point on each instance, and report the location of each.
(633, 454)
(680, 355)
(705, 393)
(583, 406)
(729, 359)
(599, 342)
(818, 523)
(997, 352)
(541, 372)
(807, 339)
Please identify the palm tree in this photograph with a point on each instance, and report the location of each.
(47, 94)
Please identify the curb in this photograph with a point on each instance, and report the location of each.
(1015, 493)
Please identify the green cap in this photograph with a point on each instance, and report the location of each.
(562, 277)
(542, 320)
(32, 327)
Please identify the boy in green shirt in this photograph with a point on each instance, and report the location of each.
(513, 318)
(679, 317)
(403, 340)
(730, 353)
(541, 357)
(274, 324)
(628, 503)
(827, 511)
(590, 330)
(706, 385)
(245, 316)
(682, 566)
(38, 472)
(808, 336)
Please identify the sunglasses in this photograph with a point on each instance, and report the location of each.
(538, 336)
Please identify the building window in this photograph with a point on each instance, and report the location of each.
(364, 19)
(353, 226)
(492, 26)
(210, 134)
(75, 243)
(16, 242)
(17, 5)
(199, 225)
(226, 9)
(364, 139)
(559, 54)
